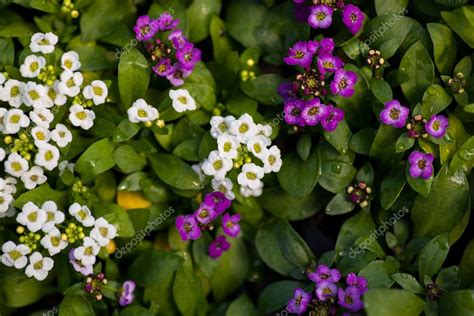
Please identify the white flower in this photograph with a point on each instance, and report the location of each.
(103, 232)
(2, 78)
(53, 216)
(39, 266)
(61, 135)
(97, 91)
(265, 130)
(53, 242)
(87, 252)
(12, 92)
(70, 83)
(15, 255)
(47, 156)
(16, 165)
(220, 125)
(244, 128)
(41, 117)
(32, 66)
(40, 134)
(142, 112)
(225, 186)
(35, 95)
(70, 61)
(3, 154)
(81, 117)
(43, 42)
(257, 145)
(250, 176)
(33, 177)
(5, 201)
(32, 217)
(216, 165)
(3, 111)
(8, 185)
(82, 214)
(53, 96)
(227, 146)
(13, 120)
(182, 100)
(272, 160)
(248, 192)
(63, 165)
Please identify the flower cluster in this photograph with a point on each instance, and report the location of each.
(214, 205)
(359, 194)
(173, 55)
(318, 66)
(243, 145)
(45, 229)
(95, 284)
(321, 14)
(397, 115)
(330, 297)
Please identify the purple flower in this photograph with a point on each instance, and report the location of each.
(359, 282)
(293, 111)
(205, 214)
(313, 112)
(188, 55)
(326, 290)
(230, 224)
(163, 68)
(421, 164)
(218, 201)
(78, 265)
(179, 72)
(437, 126)
(188, 227)
(126, 297)
(299, 303)
(343, 83)
(326, 45)
(287, 91)
(299, 55)
(329, 63)
(352, 17)
(320, 16)
(313, 46)
(177, 38)
(218, 246)
(166, 22)
(332, 118)
(145, 28)
(394, 114)
(350, 299)
(324, 273)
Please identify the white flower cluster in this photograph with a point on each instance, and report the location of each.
(27, 113)
(45, 225)
(242, 144)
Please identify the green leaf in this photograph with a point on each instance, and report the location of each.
(292, 245)
(40, 195)
(128, 160)
(390, 6)
(339, 204)
(388, 303)
(404, 143)
(298, 177)
(419, 184)
(339, 138)
(241, 306)
(461, 21)
(448, 279)
(75, 305)
(221, 44)
(303, 147)
(96, 159)
(380, 150)
(434, 101)
(392, 185)
(275, 296)
(362, 141)
(157, 264)
(418, 65)
(366, 174)
(264, 89)
(21, 291)
(7, 52)
(336, 176)
(199, 15)
(378, 272)
(464, 66)
(381, 90)
(433, 255)
(466, 267)
(444, 45)
(460, 303)
(135, 310)
(243, 30)
(175, 172)
(444, 207)
(125, 131)
(133, 77)
(408, 282)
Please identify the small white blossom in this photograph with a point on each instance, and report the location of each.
(44, 43)
(15, 255)
(220, 125)
(32, 66)
(244, 128)
(53, 96)
(16, 165)
(47, 156)
(257, 145)
(41, 117)
(5, 201)
(216, 165)
(3, 154)
(53, 242)
(250, 176)
(40, 134)
(87, 252)
(32, 217)
(70, 83)
(33, 177)
(182, 100)
(35, 95)
(225, 186)
(272, 161)
(61, 135)
(227, 146)
(81, 117)
(12, 92)
(248, 192)
(39, 266)
(13, 120)
(8, 185)
(142, 112)
(82, 214)
(103, 232)
(265, 130)
(53, 216)
(97, 92)
(70, 61)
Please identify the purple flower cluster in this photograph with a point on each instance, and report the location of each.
(321, 14)
(126, 294)
(214, 204)
(173, 55)
(302, 98)
(330, 297)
